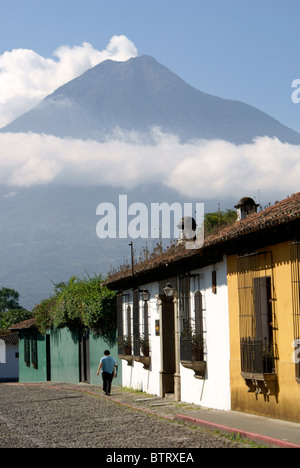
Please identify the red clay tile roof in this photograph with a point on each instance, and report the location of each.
(11, 338)
(282, 212)
(286, 211)
(23, 325)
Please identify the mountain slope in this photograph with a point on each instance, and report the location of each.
(139, 94)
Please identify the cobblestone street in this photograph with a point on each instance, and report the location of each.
(47, 417)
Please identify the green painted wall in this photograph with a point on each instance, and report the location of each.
(97, 348)
(64, 355)
(64, 346)
(29, 373)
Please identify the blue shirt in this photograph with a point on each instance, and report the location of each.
(108, 364)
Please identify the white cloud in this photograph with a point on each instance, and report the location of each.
(9, 195)
(220, 167)
(201, 170)
(26, 77)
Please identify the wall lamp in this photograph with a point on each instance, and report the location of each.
(169, 290)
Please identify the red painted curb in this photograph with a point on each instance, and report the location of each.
(242, 433)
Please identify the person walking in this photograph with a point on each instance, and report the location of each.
(108, 367)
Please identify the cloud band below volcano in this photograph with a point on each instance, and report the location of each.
(202, 169)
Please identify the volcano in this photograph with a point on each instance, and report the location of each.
(140, 94)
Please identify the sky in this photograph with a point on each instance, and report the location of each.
(236, 49)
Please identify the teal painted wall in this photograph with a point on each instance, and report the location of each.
(64, 355)
(29, 373)
(64, 349)
(97, 348)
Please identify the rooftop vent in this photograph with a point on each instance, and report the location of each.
(245, 207)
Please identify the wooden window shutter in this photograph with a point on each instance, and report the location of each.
(34, 352)
(27, 350)
(199, 341)
(263, 309)
(184, 295)
(214, 282)
(136, 323)
(146, 321)
(198, 313)
(128, 318)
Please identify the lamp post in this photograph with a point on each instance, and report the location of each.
(132, 259)
(145, 295)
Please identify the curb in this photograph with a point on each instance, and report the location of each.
(245, 434)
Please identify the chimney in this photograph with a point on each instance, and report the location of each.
(245, 207)
(187, 229)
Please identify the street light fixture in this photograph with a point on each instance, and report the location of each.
(169, 290)
(145, 295)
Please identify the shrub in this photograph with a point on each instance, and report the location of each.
(81, 302)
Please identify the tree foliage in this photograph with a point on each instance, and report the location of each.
(10, 310)
(80, 302)
(9, 299)
(219, 219)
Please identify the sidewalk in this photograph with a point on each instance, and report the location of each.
(265, 431)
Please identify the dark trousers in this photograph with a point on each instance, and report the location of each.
(107, 380)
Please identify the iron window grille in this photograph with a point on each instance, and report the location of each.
(136, 323)
(124, 326)
(133, 334)
(145, 336)
(191, 336)
(257, 313)
(295, 278)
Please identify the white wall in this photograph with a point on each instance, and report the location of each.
(2, 352)
(214, 390)
(136, 376)
(9, 364)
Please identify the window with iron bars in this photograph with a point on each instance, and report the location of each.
(124, 326)
(145, 335)
(133, 329)
(257, 316)
(295, 278)
(136, 323)
(191, 336)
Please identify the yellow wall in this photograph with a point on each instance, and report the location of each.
(286, 405)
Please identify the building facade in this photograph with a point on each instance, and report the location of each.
(173, 328)
(222, 323)
(61, 355)
(9, 357)
(264, 331)
(178, 344)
